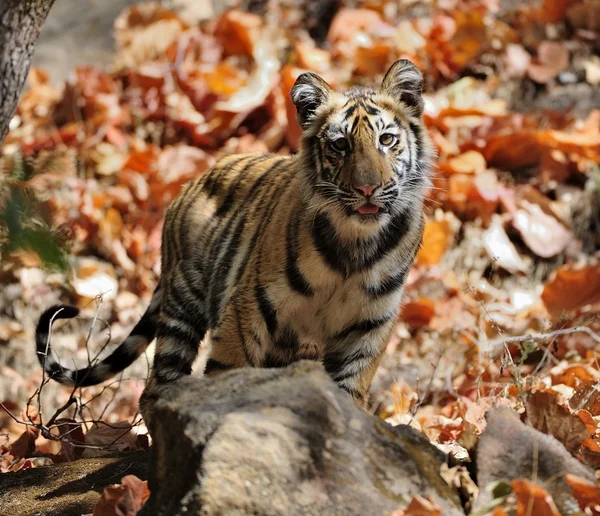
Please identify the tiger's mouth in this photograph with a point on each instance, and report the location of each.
(368, 209)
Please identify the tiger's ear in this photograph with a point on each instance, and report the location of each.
(404, 82)
(308, 93)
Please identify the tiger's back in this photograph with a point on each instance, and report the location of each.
(290, 257)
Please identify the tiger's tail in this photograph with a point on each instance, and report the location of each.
(130, 349)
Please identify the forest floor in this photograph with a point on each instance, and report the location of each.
(503, 304)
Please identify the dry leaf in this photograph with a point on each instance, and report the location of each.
(501, 249)
(542, 233)
(571, 288)
(552, 59)
(533, 499)
(547, 416)
(104, 438)
(586, 493)
(124, 499)
(436, 241)
(470, 162)
(419, 506)
(419, 312)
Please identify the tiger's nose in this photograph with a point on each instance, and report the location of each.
(367, 190)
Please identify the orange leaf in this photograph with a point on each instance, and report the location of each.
(571, 288)
(436, 240)
(469, 162)
(238, 32)
(124, 499)
(585, 492)
(418, 313)
(533, 499)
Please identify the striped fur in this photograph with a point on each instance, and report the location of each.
(271, 256)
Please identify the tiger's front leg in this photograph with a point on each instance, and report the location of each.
(351, 358)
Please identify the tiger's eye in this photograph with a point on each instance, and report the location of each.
(340, 145)
(387, 139)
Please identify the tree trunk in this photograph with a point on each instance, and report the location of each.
(20, 25)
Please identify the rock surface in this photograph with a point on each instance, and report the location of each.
(69, 489)
(508, 450)
(283, 442)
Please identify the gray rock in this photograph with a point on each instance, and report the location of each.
(283, 442)
(508, 449)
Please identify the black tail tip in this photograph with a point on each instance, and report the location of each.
(57, 312)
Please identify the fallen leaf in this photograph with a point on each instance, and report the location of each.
(418, 313)
(470, 162)
(419, 506)
(571, 288)
(554, 10)
(547, 416)
(103, 438)
(124, 499)
(475, 414)
(533, 499)
(542, 233)
(238, 32)
(552, 58)
(436, 241)
(586, 493)
(501, 250)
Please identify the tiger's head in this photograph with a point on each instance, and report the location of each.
(366, 151)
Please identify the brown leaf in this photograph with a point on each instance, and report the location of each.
(571, 288)
(24, 446)
(124, 499)
(552, 59)
(348, 22)
(72, 438)
(476, 412)
(533, 499)
(106, 438)
(547, 416)
(238, 32)
(418, 313)
(553, 11)
(513, 150)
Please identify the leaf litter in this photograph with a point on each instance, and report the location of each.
(510, 247)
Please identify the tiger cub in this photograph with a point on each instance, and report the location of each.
(284, 258)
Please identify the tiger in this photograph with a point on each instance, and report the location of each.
(277, 258)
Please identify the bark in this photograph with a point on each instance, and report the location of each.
(20, 25)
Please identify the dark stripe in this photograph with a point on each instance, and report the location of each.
(241, 336)
(235, 186)
(328, 245)
(362, 328)
(175, 332)
(350, 111)
(287, 340)
(388, 285)
(213, 365)
(372, 110)
(266, 309)
(418, 133)
(270, 200)
(272, 360)
(335, 363)
(222, 269)
(293, 274)
(170, 366)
